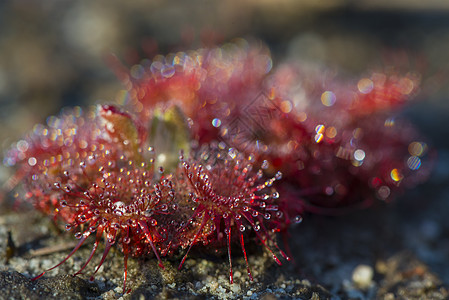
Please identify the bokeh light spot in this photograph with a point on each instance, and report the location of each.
(286, 106)
(389, 122)
(328, 98)
(396, 175)
(414, 162)
(22, 146)
(302, 116)
(416, 148)
(137, 71)
(32, 161)
(331, 132)
(359, 155)
(216, 122)
(406, 86)
(383, 192)
(320, 129)
(365, 85)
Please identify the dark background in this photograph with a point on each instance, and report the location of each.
(53, 53)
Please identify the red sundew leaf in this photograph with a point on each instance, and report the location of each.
(382, 93)
(80, 176)
(156, 86)
(123, 206)
(347, 139)
(203, 83)
(228, 200)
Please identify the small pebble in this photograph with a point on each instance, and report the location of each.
(172, 285)
(198, 285)
(362, 276)
(235, 288)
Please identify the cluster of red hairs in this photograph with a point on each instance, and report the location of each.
(213, 147)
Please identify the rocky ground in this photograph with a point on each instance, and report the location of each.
(52, 55)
